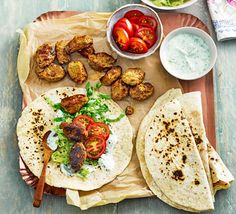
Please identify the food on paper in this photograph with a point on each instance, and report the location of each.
(133, 76)
(101, 61)
(135, 32)
(119, 90)
(129, 110)
(86, 51)
(111, 76)
(169, 3)
(62, 56)
(78, 43)
(172, 130)
(142, 91)
(45, 55)
(77, 71)
(92, 147)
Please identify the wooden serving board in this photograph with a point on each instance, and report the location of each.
(170, 22)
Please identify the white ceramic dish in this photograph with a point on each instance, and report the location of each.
(187, 4)
(119, 14)
(195, 31)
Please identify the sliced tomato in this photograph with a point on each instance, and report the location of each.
(99, 129)
(95, 146)
(135, 27)
(133, 15)
(137, 45)
(121, 38)
(148, 35)
(83, 120)
(126, 25)
(148, 21)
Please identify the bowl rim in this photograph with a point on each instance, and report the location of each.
(186, 4)
(120, 52)
(209, 41)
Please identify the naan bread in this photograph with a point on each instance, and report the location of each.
(37, 118)
(173, 160)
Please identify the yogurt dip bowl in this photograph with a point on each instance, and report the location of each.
(188, 53)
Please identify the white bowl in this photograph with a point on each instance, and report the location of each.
(187, 4)
(119, 14)
(195, 31)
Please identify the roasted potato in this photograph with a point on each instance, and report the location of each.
(87, 51)
(45, 55)
(77, 72)
(119, 90)
(52, 73)
(111, 76)
(129, 110)
(78, 43)
(101, 61)
(142, 91)
(78, 155)
(61, 54)
(133, 76)
(74, 103)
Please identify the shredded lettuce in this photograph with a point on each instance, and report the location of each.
(169, 3)
(83, 173)
(91, 162)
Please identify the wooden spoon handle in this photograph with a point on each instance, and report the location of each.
(38, 195)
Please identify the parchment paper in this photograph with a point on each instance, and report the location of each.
(130, 184)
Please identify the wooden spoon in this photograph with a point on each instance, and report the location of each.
(38, 195)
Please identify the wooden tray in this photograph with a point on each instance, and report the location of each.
(170, 22)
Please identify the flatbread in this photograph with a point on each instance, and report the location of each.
(176, 167)
(221, 176)
(36, 119)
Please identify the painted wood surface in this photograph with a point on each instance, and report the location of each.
(15, 196)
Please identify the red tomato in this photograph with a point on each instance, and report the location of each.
(148, 35)
(95, 146)
(135, 27)
(99, 129)
(83, 120)
(137, 45)
(133, 15)
(121, 38)
(126, 24)
(148, 21)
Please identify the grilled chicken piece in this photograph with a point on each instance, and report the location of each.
(142, 91)
(78, 43)
(44, 55)
(74, 132)
(52, 73)
(87, 51)
(119, 90)
(77, 71)
(78, 155)
(111, 76)
(62, 56)
(133, 76)
(101, 61)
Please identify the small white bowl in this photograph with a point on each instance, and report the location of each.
(195, 31)
(187, 4)
(119, 14)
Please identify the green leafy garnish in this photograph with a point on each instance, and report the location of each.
(108, 120)
(83, 173)
(91, 162)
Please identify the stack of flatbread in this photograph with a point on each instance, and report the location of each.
(177, 161)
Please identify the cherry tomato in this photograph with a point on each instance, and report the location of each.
(148, 35)
(137, 45)
(148, 21)
(99, 129)
(126, 24)
(95, 146)
(83, 120)
(133, 15)
(135, 27)
(121, 38)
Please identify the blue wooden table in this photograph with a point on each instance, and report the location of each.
(15, 196)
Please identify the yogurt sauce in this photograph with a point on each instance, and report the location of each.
(188, 54)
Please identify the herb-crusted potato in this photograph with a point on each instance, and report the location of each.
(101, 61)
(111, 76)
(142, 91)
(77, 71)
(119, 90)
(133, 76)
(62, 55)
(44, 55)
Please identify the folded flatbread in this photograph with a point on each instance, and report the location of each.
(37, 118)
